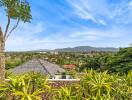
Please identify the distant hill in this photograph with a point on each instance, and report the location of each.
(75, 49)
(87, 49)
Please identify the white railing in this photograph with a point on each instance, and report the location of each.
(55, 80)
(63, 79)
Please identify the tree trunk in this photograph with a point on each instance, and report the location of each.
(2, 56)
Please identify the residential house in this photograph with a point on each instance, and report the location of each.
(43, 67)
(70, 66)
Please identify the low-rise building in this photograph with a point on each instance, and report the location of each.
(70, 66)
(43, 67)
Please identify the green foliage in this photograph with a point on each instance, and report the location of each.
(129, 79)
(12, 64)
(92, 63)
(93, 86)
(17, 9)
(122, 61)
(65, 93)
(98, 86)
(26, 87)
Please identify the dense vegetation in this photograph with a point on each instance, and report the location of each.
(107, 76)
(92, 86)
(120, 62)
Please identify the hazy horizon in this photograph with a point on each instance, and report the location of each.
(71, 23)
(60, 48)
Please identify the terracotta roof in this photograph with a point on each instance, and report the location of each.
(69, 66)
(38, 65)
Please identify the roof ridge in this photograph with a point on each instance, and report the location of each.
(43, 66)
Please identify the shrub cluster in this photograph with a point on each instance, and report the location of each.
(93, 86)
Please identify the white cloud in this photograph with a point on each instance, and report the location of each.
(102, 22)
(82, 13)
(96, 33)
(24, 35)
(59, 41)
(121, 13)
(89, 9)
(130, 4)
(94, 10)
(29, 28)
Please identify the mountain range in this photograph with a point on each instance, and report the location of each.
(83, 49)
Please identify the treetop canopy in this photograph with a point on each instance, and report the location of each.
(17, 9)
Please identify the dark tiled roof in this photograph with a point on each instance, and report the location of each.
(41, 66)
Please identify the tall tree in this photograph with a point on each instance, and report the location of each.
(121, 62)
(18, 10)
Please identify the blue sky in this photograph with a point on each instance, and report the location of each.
(69, 23)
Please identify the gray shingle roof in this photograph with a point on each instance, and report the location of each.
(38, 65)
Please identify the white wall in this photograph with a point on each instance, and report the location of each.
(60, 77)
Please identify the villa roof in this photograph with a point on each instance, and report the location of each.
(38, 65)
(70, 66)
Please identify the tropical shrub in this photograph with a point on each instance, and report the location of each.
(25, 87)
(98, 86)
(92, 86)
(65, 93)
